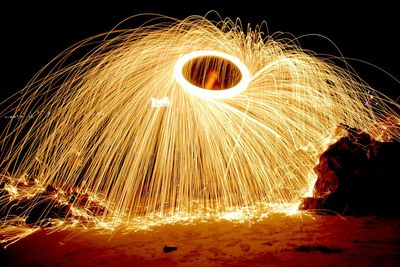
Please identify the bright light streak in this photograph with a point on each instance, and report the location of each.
(201, 92)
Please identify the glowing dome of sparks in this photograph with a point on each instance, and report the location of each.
(188, 117)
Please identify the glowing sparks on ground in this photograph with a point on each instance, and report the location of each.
(183, 121)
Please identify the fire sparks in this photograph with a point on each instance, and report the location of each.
(235, 120)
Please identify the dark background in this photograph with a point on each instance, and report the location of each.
(34, 33)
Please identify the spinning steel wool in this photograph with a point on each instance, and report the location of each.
(189, 117)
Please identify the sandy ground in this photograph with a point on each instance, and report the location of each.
(275, 241)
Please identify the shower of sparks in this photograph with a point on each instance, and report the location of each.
(135, 127)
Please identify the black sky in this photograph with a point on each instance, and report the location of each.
(34, 33)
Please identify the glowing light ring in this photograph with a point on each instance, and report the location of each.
(201, 92)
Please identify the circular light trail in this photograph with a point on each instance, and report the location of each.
(202, 64)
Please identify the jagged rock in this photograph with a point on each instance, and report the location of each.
(357, 175)
(44, 209)
(41, 208)
(15, 207)
(4, 195)
(79, 200)
(50, 189)
(83, 201)
(34, 209)
(96, 208)
(3, 181)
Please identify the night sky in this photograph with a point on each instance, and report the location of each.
(32, 34)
